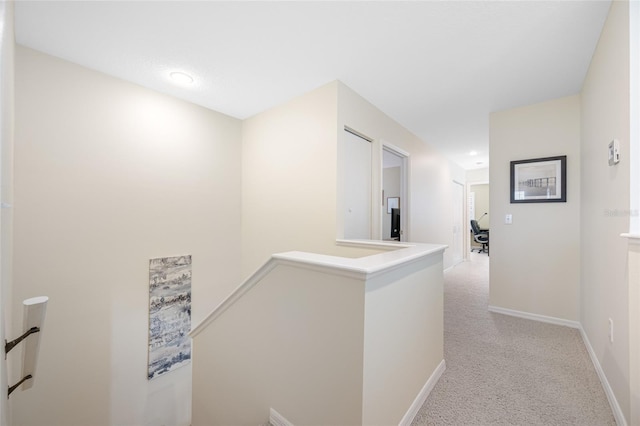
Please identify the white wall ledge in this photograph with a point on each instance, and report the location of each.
(374, 244)
(366, 267)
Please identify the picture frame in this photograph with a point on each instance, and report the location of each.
(539, 180)
(392, 203)
(169, 314)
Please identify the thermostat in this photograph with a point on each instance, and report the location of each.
(614, 152)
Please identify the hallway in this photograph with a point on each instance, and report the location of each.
(508, 370)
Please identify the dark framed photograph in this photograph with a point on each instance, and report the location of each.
(539, 180)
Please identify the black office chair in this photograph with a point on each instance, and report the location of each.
(480, 237)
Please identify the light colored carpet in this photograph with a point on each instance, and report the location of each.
(503, 370)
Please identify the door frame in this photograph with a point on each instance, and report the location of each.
(463, 215)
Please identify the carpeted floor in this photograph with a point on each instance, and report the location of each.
(503, 370)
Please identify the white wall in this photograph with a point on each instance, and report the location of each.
(6, 197)
(605, 202)
(107, 176)
(430, 219)
(477, 175)
(535, 261)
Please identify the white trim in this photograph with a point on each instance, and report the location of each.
(277, 419)
(454, 265)
(234, 296)
(363, 268)
(423, 394)
(373, 244)
(395, 149)
(633, 238)
(634, 120)
(613, 402)
(358, 134)
(535, 317)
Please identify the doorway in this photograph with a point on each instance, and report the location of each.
(478, 210)
(394, 194)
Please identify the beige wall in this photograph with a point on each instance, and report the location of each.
(110, 175)
(291, 169)
(535, 261)
(364, 363)
(401, 351)
(430, 174)
(289, 178)
(292, 343)
(107, 176)
(605, 202)
(6, 198)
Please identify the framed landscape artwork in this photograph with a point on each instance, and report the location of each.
(169, 314)
(539, 180)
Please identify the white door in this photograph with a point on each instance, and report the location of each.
(457, 246)
(357, 215)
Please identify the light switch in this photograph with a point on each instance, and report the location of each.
(614, 152)
(508, 219)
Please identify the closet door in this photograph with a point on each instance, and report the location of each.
(357, 215)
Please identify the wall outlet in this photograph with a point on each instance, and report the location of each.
(610, 330)
(508, 219)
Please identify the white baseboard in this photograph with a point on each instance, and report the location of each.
(423, 394)
(613, 402)
(454, 265)
(535, 317)
(277, 419)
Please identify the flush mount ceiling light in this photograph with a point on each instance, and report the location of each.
(473, 153)
(181, 78)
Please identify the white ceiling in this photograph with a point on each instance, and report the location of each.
(437, 67)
